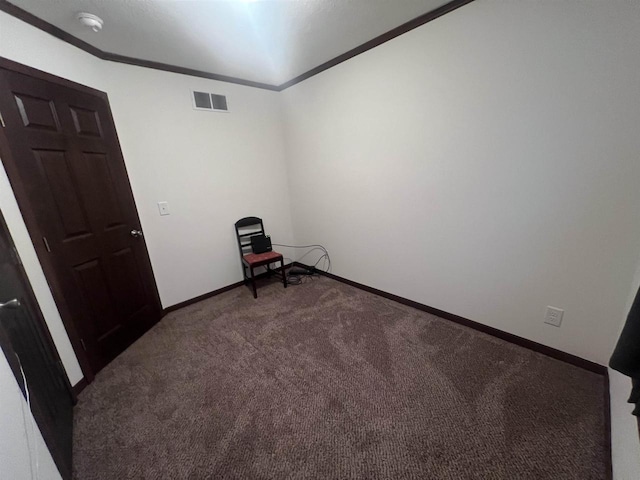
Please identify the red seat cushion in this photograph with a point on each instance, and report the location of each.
(253, 258)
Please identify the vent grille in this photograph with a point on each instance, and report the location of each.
(219, 102)
(210, 101)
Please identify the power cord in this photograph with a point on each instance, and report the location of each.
(296, 279)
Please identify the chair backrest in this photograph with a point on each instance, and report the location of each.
(246, 228)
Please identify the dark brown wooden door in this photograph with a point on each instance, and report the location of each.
(26, 343)
(66, 157)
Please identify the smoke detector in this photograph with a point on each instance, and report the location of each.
(94, 22)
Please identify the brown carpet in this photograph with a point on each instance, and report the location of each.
(324, 381)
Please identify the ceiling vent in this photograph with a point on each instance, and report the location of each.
(209, 101)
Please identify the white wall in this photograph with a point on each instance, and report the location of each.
(212, 168)
(485, 164)
(23, 453)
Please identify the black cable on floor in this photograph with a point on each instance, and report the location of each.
(296, 279)
(314, 246)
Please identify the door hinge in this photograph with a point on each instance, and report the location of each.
(2, 120)
(83, 345)
(46, 244)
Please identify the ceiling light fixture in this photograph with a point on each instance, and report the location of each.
(92, 21)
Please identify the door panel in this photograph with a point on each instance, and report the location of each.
(59, 179)
(67, 159)
(100, 189)
(127, 281)
(29, 349)
(37, 113)
(86, 122)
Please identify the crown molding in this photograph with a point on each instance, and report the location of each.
(47, 27)
(379, 40)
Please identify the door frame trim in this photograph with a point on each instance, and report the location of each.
(30, 218)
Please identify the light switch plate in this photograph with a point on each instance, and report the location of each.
(164, 208)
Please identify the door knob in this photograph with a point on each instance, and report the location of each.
(11, 304)
(136, 233)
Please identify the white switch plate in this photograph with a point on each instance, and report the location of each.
(554, 316)
(164, 208)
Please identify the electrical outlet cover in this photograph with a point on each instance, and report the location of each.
(163, 207)
(554, 316)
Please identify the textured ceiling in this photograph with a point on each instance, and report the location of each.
(269, 41)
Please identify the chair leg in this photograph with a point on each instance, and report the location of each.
(284, 274)
(253, 283)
